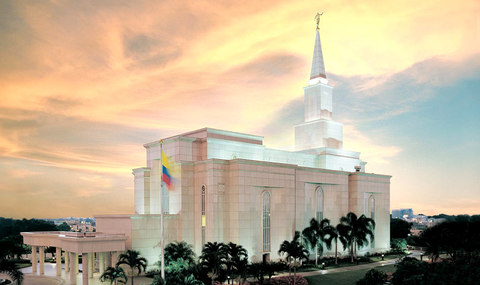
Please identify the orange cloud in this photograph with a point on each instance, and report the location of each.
(71, 71)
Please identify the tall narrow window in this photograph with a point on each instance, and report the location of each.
(266, 221)
(371, 209)
(204, 216)
(319, 203)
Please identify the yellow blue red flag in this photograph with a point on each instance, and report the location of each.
(169, 168)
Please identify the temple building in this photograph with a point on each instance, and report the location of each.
(232, 188)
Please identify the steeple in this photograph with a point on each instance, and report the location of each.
(319, 130)
(318, 66)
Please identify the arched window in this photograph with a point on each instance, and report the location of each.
(371, 206)
(204, 216)
(266, 221)
(371, 212)
(319, 203)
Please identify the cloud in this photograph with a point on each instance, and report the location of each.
(85, 84)
(69, 142)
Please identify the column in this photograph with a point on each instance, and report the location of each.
(85, 266)
(58, 255)
(76, 263)
(108, 259)
(67, 261)
(101, 262)
(34, 259)
(91, 264)
(42, 259)
(73, 274)
(114, 258)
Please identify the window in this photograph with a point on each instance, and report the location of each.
(319, 203)
(371, 207)
(204, 216)
(371, 211)
(266, 221)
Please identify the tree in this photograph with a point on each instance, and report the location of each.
(51, 250)
(410, 271)
(237, 259)
(398, 245)
(355, 231)
(295, 252)
(8, 267)
(191, 280)
(457, 239)
(179, 261)
(177, 270)
(64, 227)
(132, 259)
(214, 258)
(114, 275)
(177, 250)
(399, 228)
(332, 236)
(12, 247)
(316, 234)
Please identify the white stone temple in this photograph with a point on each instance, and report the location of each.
(232, 188)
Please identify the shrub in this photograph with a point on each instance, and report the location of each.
(398, 245)
(284, 280)
(373, 277)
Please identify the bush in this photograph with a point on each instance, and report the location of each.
(288, 280)
(373, 277)
(284, 280)
(398, 245)
(462, 271)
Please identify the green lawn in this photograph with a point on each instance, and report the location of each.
(344, 278)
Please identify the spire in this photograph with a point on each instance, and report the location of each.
(318, 66)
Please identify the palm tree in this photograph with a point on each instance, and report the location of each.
(355, 231)
(295, 252)
(8, 267)
(177, 250)
(237, 259)
(214, 258)
(332, 236)
(133, 259)
(315, 235)
(114, 274)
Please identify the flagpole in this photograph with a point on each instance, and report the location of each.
(162, 240)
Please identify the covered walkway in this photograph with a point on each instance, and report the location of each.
(97, 251)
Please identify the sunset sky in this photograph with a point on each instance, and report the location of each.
(84, 84)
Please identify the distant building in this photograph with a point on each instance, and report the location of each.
(402, 213)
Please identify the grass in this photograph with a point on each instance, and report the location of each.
(346, 277)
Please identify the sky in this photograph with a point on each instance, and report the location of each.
(84, 84)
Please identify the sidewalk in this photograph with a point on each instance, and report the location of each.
(413, 253)
(348, 268)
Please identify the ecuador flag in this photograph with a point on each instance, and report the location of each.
(168, 169)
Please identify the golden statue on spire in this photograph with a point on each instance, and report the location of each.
(317, 18)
